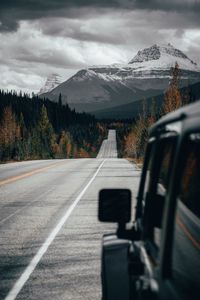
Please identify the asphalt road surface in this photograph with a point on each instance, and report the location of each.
(49, 233)
(109, 147)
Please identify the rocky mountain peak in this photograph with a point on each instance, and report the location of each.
(156, 51)
(53, 80)
(151, 53)
(84, 74)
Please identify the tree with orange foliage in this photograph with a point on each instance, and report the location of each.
(9, 130)
(65, 145)
(172, 99)
(83, 153)
(136, 140)
(9, 133)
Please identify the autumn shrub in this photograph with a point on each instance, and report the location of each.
(135, 141)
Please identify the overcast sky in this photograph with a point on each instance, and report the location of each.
(40, 37)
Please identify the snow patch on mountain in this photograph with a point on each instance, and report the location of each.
(154, 62)
(53, 80)
(162, 57)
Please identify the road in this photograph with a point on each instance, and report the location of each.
(109, 147)
(49, 233)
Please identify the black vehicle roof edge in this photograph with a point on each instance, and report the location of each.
(159, 125)
(178, 115)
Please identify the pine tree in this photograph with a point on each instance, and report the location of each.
(60, 100)
(46, 134)
(22, 142)
(22, 126)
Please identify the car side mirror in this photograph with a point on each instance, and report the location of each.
(114, 205)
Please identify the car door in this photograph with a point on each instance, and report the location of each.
(180, 271)
(152, 191)
(155, 197)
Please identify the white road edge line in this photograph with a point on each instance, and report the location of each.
(36, 259)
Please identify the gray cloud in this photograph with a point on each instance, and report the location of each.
(168, 5)
(102, 29)
(12, 11)
(41, 37)
(118, 27)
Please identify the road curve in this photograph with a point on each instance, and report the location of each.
(49, 233)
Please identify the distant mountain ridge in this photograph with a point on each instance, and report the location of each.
(133, 109)
(146, 75)
(53, 80)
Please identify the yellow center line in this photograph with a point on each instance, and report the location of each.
(24, 175)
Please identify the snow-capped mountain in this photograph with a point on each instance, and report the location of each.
(53, 80)
(146, 75)
(167, 56)
(154, 62)
(88, 90)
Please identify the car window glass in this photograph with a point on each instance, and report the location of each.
(167, 159)
(149, 171)
(190, 183)
(159, 171)
(186, 247)
(166, 164)
(144, 183)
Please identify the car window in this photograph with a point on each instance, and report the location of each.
(149, 170)
(190, 183)
(144, 184)
(186, 247)
(165, 169)
(157, 181)
(166, 164)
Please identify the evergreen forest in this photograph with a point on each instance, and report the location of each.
(34, 128)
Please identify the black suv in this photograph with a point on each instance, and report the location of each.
(158, 256)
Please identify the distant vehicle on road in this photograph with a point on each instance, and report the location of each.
(158, 256)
